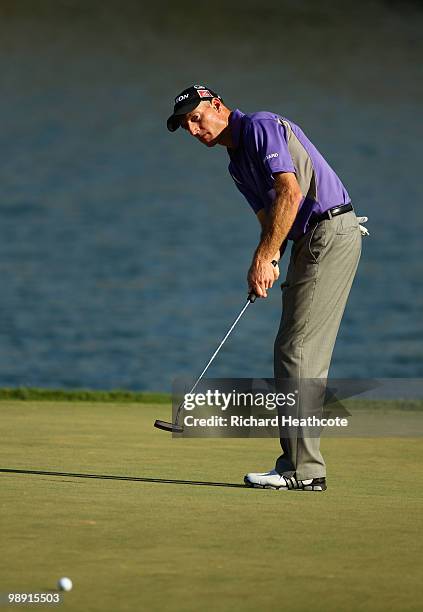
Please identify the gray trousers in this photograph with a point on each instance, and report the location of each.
(320, 274)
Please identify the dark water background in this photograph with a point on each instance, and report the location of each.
(124, 249)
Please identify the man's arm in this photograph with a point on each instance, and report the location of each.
(275, 228)
(262, 217)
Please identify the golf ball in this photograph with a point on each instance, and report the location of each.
(65, 584)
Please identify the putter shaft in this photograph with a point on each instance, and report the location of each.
(176, 427)
(251, 298)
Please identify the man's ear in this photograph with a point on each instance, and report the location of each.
(216, 103)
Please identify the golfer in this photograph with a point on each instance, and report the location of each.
(297, 197)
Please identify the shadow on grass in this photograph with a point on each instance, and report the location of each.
(129, 478)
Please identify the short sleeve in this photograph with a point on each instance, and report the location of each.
(268, 138)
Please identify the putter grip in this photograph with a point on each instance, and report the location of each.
(252, 296)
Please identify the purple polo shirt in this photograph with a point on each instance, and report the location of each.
(265, 143)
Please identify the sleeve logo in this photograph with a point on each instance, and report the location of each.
(271, 155)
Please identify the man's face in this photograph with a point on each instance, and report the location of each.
(205, 122)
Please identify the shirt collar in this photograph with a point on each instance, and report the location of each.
(235, 122)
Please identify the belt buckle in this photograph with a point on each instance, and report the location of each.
(329, 212)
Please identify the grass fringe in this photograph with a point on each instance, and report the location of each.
(83, 395)
(150, 397)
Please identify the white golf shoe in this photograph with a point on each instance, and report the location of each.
(274, 480)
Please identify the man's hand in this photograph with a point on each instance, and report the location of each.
(275, 266)
(261, 276)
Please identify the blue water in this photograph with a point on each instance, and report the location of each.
(124, 248)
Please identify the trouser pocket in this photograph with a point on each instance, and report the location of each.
(316, 242)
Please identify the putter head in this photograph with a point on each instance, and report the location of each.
(173, 427)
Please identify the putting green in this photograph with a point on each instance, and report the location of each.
(167, 546)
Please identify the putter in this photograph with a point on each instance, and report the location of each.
(176, 427)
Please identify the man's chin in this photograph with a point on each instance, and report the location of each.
(210, 143)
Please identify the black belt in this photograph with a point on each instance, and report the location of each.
(332, 212)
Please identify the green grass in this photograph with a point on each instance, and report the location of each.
(83, 395)
(136, 545)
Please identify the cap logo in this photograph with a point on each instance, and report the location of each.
(204, 93)
(180, 98)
